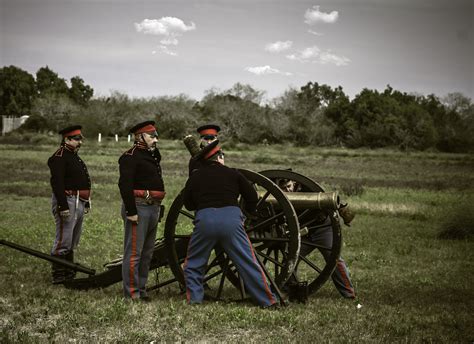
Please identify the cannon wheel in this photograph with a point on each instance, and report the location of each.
(270, 228)
(313, 267)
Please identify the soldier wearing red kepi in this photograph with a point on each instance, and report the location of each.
(142, 190)
(213, 192)
(71, 198)
(208, 133)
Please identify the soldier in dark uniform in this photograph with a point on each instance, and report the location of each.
(213, 191)
(71, 198)
(208, 133)
(142, 189)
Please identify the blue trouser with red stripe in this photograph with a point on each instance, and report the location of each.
(138, 245)
(323, 237)
(224, 227)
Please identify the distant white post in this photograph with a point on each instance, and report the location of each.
(128, 137)
(116, 138)
(99, 139)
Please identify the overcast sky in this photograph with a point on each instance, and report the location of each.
(154, 48)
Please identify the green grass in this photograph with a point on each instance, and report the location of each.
(412, 286)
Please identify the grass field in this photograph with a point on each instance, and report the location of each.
(411, 286)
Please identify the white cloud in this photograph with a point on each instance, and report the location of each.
(314, 15)
(262, 70)
(328, 57)
(166, 26)
(314, 54)
(278, 46)
(169, 27)
(169, 41)
(305, 55)
(315, 33)
(165, 50)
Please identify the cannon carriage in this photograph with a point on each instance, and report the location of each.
(281, 233)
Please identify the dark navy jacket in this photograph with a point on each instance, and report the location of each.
(214, 186)
(68, 172)
(139, 170)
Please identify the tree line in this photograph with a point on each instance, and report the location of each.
(314, 114)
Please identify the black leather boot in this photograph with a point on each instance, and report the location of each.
(70, 273)
(58, 272)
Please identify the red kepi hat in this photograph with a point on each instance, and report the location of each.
(208, 129)
(74, 130)
(208, 151)
(143, 127)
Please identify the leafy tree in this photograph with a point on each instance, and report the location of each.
(457, 102)
(17, 91)
(317, 114)
(246, 93)
(232, 113)
(80, 93)
(452, 121)
(175, 115)
(238, 112)
(375, 117)
(36, 123)
(57, 110)
(48, 82)
(417, 130)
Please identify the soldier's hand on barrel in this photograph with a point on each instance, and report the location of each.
(133, 218)
(64, 213)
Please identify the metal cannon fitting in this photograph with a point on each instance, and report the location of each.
(309, 200)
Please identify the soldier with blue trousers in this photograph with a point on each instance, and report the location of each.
(212, 191)
(71, 186)
(142, 190)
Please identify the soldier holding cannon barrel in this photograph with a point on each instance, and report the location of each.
(208, 133)
(71, 199)
(142, 190)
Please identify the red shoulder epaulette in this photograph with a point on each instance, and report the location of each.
(59, 152)
(130, 151)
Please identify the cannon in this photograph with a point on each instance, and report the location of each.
(284, 222)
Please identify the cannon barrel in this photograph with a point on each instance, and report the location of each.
(309, 200)
(53, 259)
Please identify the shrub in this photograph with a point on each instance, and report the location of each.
(22, 137)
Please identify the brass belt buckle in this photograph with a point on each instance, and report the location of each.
(148, 198)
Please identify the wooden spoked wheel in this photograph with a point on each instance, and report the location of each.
(273, 232)
(320, 231)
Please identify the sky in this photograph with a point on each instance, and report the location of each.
(147, 48)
